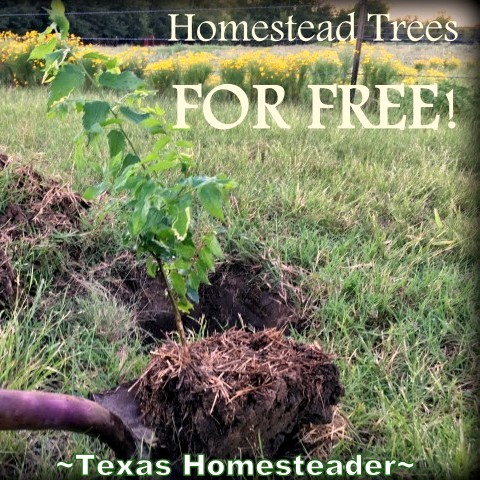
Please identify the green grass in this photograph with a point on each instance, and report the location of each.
(390, 286)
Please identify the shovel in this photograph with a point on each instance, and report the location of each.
(113, 417)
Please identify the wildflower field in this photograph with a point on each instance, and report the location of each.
(369, 234)
(294, 68)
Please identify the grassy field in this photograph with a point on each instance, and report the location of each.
(389, 284)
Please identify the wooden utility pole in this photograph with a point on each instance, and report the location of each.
(362, 18)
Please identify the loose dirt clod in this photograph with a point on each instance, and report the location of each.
(237, 393)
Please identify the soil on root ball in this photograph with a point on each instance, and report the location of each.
(236, 394)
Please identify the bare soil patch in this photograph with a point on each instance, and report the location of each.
(237, 297)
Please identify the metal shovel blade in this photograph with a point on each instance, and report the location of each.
(122, 402)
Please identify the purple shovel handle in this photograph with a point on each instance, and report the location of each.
(29, 410)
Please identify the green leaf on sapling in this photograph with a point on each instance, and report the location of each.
(93, 192)
(178, 283)
(181, 222)
(120, 81)
(211, 242)
(69, 78)
(57, 15)
(116, 142)
(41, 51)
(152, 267)
(210, 197)
(94, 113)
(133, 116)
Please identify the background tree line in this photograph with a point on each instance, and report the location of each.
(141, 25)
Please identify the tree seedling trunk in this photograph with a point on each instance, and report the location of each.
(176, 311)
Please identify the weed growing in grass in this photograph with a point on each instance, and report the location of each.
(448, 63)
(195, 67)
(233, 72)
(134, 59)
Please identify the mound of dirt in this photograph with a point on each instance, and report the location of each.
(41, 206)
(34, 208)
(224, 394)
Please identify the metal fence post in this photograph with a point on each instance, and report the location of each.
(358, 46)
